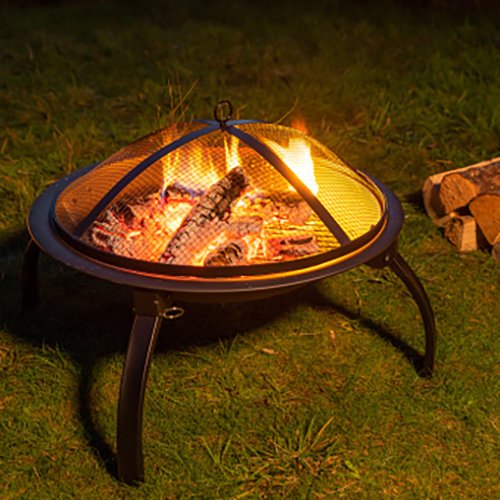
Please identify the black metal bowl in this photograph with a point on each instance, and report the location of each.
(241, 283)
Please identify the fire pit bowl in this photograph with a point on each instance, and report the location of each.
(214, 210)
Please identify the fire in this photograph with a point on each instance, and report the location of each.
(299, 124)
(298, 158)
(197, 166)
(212, 210)
(231, 150)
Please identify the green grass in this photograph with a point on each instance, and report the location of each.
(294, 397)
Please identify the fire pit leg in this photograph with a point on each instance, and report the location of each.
(29, 283)
(141, 344)
(409, 278)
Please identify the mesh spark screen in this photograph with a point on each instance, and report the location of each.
(218, 200)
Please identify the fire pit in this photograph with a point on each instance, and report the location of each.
(214, 210)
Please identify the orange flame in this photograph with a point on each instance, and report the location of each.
(298, 123)
(297, 157)
(196, 166)
(232, 156)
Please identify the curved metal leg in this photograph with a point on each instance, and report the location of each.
(29, 282)
(130, 405)
(409, 278)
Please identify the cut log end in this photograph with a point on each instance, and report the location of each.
(486, 175)
(458, 189)
(486, 210)
(456, 192)
(466, 203)
(461, 231)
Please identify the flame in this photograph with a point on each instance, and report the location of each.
(258, 226)
(198, 169)
(168, 163)
(298, 158)
(196, 166)
(299, 124)
(231, 150)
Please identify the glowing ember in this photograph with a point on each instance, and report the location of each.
(207, 213)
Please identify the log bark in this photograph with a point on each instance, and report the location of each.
(204, 220)
(289, 207)
(431, 190)
(243, 226)
(461, 231)
(228, 254)
(459, 188)
(486, 210)
(298, 245)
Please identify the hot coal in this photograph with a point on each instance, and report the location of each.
(229, 254)
(204, 221)
(289, 207)
(243, 226)
(226, 225)
(294, 246)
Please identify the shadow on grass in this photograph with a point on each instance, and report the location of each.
(90, 319)
(416, 200)
(319, 301)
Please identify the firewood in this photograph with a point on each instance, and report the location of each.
(431, 189)
(243, 226)
(289, 207)
(179, 191)
(204, 220)
(228, 254)
(486, 210)
(140, 229)
(461, 231)
(459, 188)
(109, 233)
(298, 245)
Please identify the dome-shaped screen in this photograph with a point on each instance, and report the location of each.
(207, 194)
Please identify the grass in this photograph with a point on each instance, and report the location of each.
(298, 396)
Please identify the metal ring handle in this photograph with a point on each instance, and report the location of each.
(173, 312)
(223, 111)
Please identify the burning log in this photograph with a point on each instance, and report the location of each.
(178, 191)
(227, 255)
(297, 245)
(235, 234)
(139, 230)
(203, 221)
(243, 226)
(289, 207)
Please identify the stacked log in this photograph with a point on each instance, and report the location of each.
(466, 203)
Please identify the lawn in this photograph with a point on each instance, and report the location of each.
(300, 396)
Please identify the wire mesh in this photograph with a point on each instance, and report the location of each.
(354, 202)
(216, 202)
